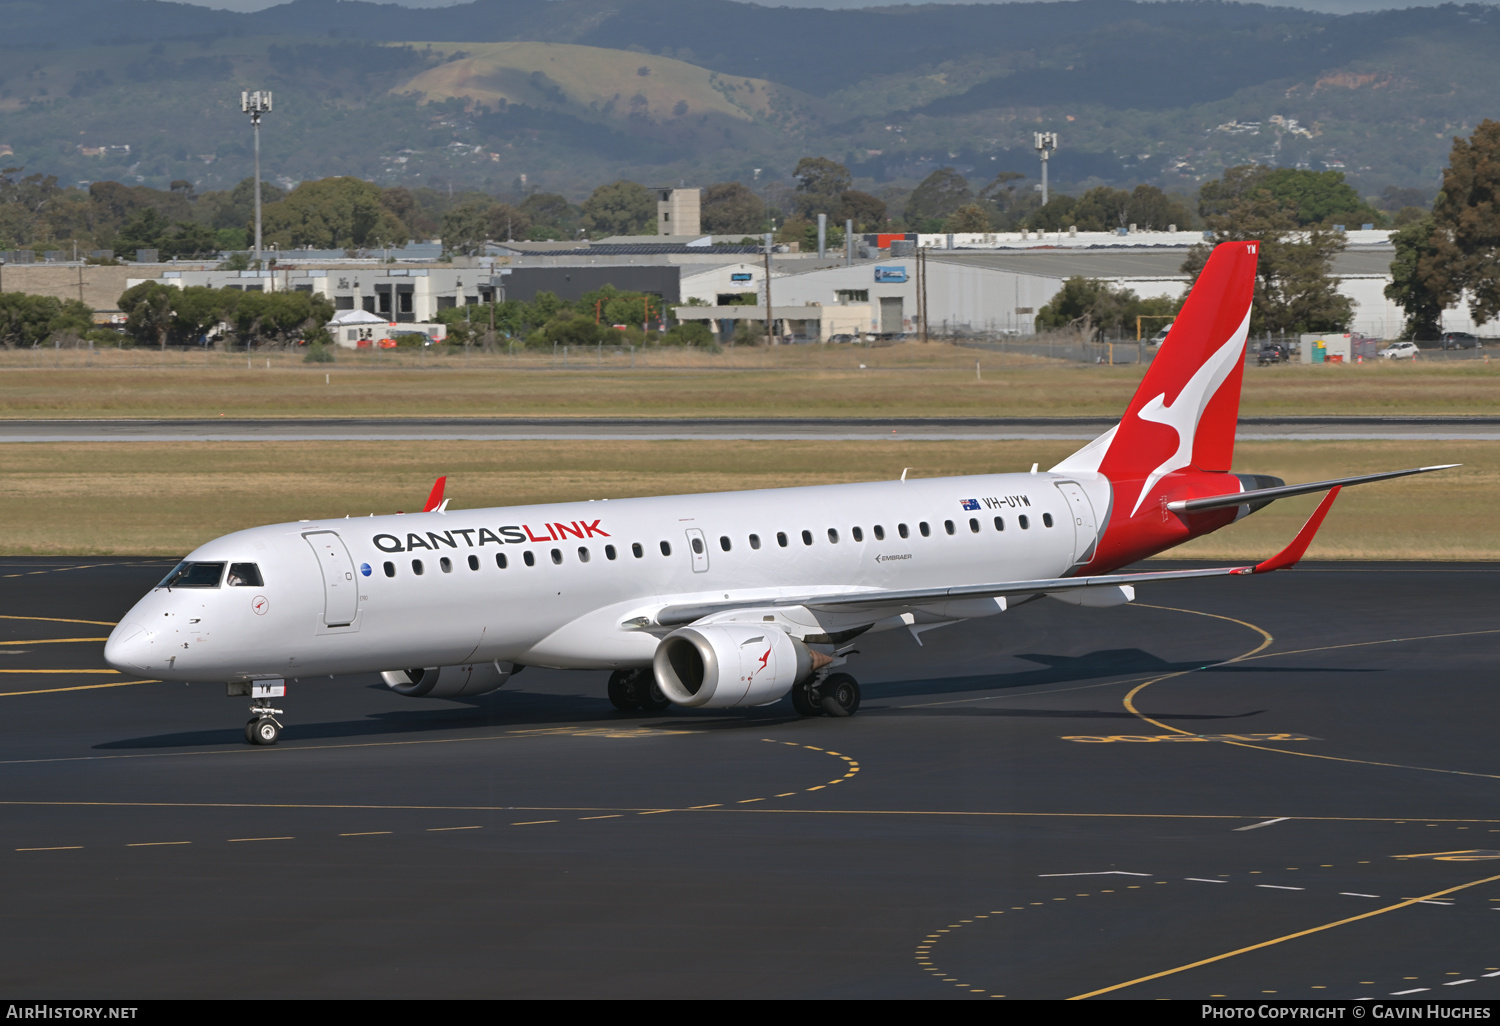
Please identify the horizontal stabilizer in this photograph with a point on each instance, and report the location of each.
(1264, 495)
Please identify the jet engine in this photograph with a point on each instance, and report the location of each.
(723, 666)
(449, 681)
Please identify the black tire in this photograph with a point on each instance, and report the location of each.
(840, 695)
(621, 693)
(802, 700)
(250, 738)
(264, 731)
(648, 694)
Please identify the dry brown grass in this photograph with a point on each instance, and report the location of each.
(148, 499)
(904, 380)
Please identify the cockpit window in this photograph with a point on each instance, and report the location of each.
(194, 575)
(244, 575)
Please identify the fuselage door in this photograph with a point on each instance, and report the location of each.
(340, 590)
(1085, 526)
(698, 548)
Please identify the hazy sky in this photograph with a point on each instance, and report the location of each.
(1330, 6)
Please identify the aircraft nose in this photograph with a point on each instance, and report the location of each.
(128, 648)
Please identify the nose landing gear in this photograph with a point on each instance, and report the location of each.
(264, 728)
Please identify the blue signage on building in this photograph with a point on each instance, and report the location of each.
(740, 276)
(886, 275)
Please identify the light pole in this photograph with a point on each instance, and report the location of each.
(1045, 143)
(255, 104)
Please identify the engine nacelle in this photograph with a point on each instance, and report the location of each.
(450, 681)
(723, 666)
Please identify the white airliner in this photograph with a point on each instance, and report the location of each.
(724, 600)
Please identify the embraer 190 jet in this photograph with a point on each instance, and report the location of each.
(724, 600)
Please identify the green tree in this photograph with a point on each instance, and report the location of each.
(971, 217)
(1097, 309)
(1462, 254)
(466, 228)
(279, 317)
(27, 321)
(1408, 289)
(939, 195)
(1057, 214)
(620, 208)
(163, 315)
(1308, 197)
(1295, 290)
(866, 211)
(332, 213)
(820, 189)
(146, 229)
(552, 216)
(730, 208)
(148, 312)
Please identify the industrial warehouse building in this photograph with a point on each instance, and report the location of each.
(982, 284)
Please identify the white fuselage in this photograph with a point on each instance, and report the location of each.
(572, 605)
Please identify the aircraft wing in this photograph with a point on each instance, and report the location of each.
(889, 602)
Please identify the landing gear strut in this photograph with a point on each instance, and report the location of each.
(636, 691)
(834, 695)
(263, 728)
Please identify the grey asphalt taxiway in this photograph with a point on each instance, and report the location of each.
(1282, 786)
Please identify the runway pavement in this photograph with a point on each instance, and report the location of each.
(1434, 428)
(1281, 786)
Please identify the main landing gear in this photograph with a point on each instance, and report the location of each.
(636, 691)
(263, 728)
(834, 695)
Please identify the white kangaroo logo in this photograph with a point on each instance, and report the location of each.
(1182, 415)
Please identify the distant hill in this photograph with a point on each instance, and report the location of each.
(479, 94)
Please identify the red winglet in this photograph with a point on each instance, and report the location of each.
(435, 497)
(1293, 552)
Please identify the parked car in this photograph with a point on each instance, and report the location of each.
(1400, 351)
(1461, 340)
(1273, 352)
(1160, 336)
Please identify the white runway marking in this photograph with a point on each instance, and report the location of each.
(1257, 826)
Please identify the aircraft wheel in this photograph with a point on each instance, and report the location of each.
(263, 731)
(621, 693)
(802, 700)
(648, 694)
(840, 695)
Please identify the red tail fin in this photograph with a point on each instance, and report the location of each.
(435, 497)
(1184, 413)
(1181, 420)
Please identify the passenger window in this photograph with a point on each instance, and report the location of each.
(858, 534)
(974, 525)
(244, 575)
(697, 544)
(724, 542)
(781, 538)
(833, 536)
(666, 548)
(473, 562)
(636, 550)
(557, 556)
(194, 575)
(609, 552)
(1025, 524)
(583, 554)
(528, 558)
(416, 567)
(926, 531)
(1046, 519)
(902, 531)
(390, 569)
(948, 526)
(755, 541)
(446, 564)
(999, 523)
(500, 560)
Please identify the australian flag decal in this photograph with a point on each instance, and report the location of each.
(969, 503)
